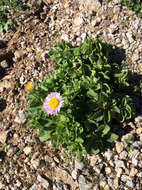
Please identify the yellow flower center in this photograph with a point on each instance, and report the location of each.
(29, 86)
(53, 103)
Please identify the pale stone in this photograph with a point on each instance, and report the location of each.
(116, 182)
(123, 155)
(79, 165)
(119, 147)
(93, 160)
(118, 171)
(139, 130)
(102, 183)
(62, 175)
(74, 174)
(119, 164)
(19, 53)
(135, 57)
(108, 170)
(84, 184)
(133, 172)
(130, 183)
(5, 84)
(43, 182)
(27, 150)
(3, 136)
(78, 21)
(65, 37)
(107, 187)
(35, 163)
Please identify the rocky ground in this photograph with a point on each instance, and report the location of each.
(25, 162)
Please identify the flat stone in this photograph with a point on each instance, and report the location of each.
(119, 164)
(123, 155)
(43, 181)
(124, 178)
(130, 183)
(27, 150)
(3, 136)
(110, 182)
(34, 187)
(5, 84)
(79, 165)
(74, 174)
(65, 37)
(4, 64)
(108, 170)
(108, 155)
(84, 184)
(119, 147)
(133, 172)
(19, 53)
(130, 37)
(135, 57)
(78, 21)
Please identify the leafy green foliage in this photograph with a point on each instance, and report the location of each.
(5, 6)
(135, 5)
(97, 93)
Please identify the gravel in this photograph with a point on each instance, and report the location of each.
(28, 164)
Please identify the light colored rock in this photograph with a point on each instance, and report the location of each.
(78, 20)
(116, 182)
(35, 163)
(90, 5)
(135, 57)
(124, 178)
(84, 184)
(18, 183)
(123, 155)
(102, 183)
(74, 174)
(135, 24)
(21, 118)
(43, 181)
(119, 164)
(108, 155)
(19, 53)
(62, 175)
(130, 183)
(93, 160)
(83, 36)
(130, 37)
(119, 147)
(110, 182)
(138, 119)
(3, 136)
(78, 165)
(134, 161)
(108, 170)
(107, 187)
(65, 37)
(27, 150)
(5, 84)
(133, 172)
(139, 130)
(4, 64)
(34, 187)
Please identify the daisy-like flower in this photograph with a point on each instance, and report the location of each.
(53, 103)
(29, 86)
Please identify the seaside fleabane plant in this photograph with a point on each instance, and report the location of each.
(53, 103)
(78, 105)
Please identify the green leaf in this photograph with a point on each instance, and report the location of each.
(106, 130)
(44, 135)
(94, 151)
(113, 137)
